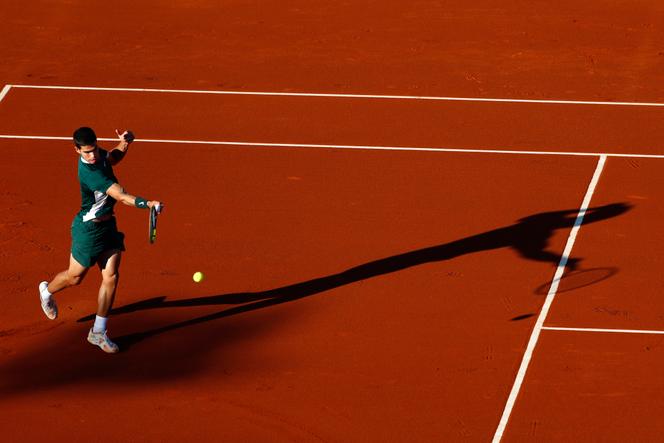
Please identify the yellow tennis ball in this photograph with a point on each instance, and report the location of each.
(198, 277)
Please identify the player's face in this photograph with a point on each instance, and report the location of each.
(89, 153)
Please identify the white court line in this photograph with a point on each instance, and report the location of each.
(4, 91)
(621, 331)
(351, 147)
(534, 336)
(366, 96)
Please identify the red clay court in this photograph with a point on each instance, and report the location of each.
(419, 221)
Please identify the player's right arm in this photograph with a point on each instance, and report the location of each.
(118, 193)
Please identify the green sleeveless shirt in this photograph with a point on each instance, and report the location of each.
(95, 179)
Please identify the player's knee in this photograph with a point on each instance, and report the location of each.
(111, 279)
(75, 280)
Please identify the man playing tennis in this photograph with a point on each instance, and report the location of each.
(95, 237)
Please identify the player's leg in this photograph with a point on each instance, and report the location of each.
(72, 276)
(109, 264)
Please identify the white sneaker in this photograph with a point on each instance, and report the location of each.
(49, 307)
(101, 339)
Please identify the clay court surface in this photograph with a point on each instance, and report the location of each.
(383, 197)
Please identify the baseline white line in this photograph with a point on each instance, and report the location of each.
(4, 92)
(330, 95)
(534, 336)
(356, 147)
(622, 331)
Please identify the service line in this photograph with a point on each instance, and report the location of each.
(354, 96)
(619, 331)
(4, 91)
(351, 147)
(534, 336)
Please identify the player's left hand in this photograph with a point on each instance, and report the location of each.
(125, 136)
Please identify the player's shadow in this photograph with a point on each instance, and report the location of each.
(529, 237)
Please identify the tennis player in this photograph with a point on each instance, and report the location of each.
(94, 232)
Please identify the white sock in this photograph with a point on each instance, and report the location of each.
(100, 324)
(44, 294)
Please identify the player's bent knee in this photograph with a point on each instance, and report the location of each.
(75, 280)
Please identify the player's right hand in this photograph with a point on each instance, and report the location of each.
(159, 206)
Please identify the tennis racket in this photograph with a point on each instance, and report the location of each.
(154, 212)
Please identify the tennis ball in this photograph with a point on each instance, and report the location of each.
(198, 277)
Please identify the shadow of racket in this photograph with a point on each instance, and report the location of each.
(579, 278)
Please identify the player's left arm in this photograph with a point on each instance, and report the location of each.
(118, 153)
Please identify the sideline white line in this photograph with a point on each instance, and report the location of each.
(330, 95)
(4, 91)
(622, 331)
(356, 147)
(547, 303)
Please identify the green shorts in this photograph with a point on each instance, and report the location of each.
(91, 239)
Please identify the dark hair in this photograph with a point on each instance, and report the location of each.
(84, 136)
